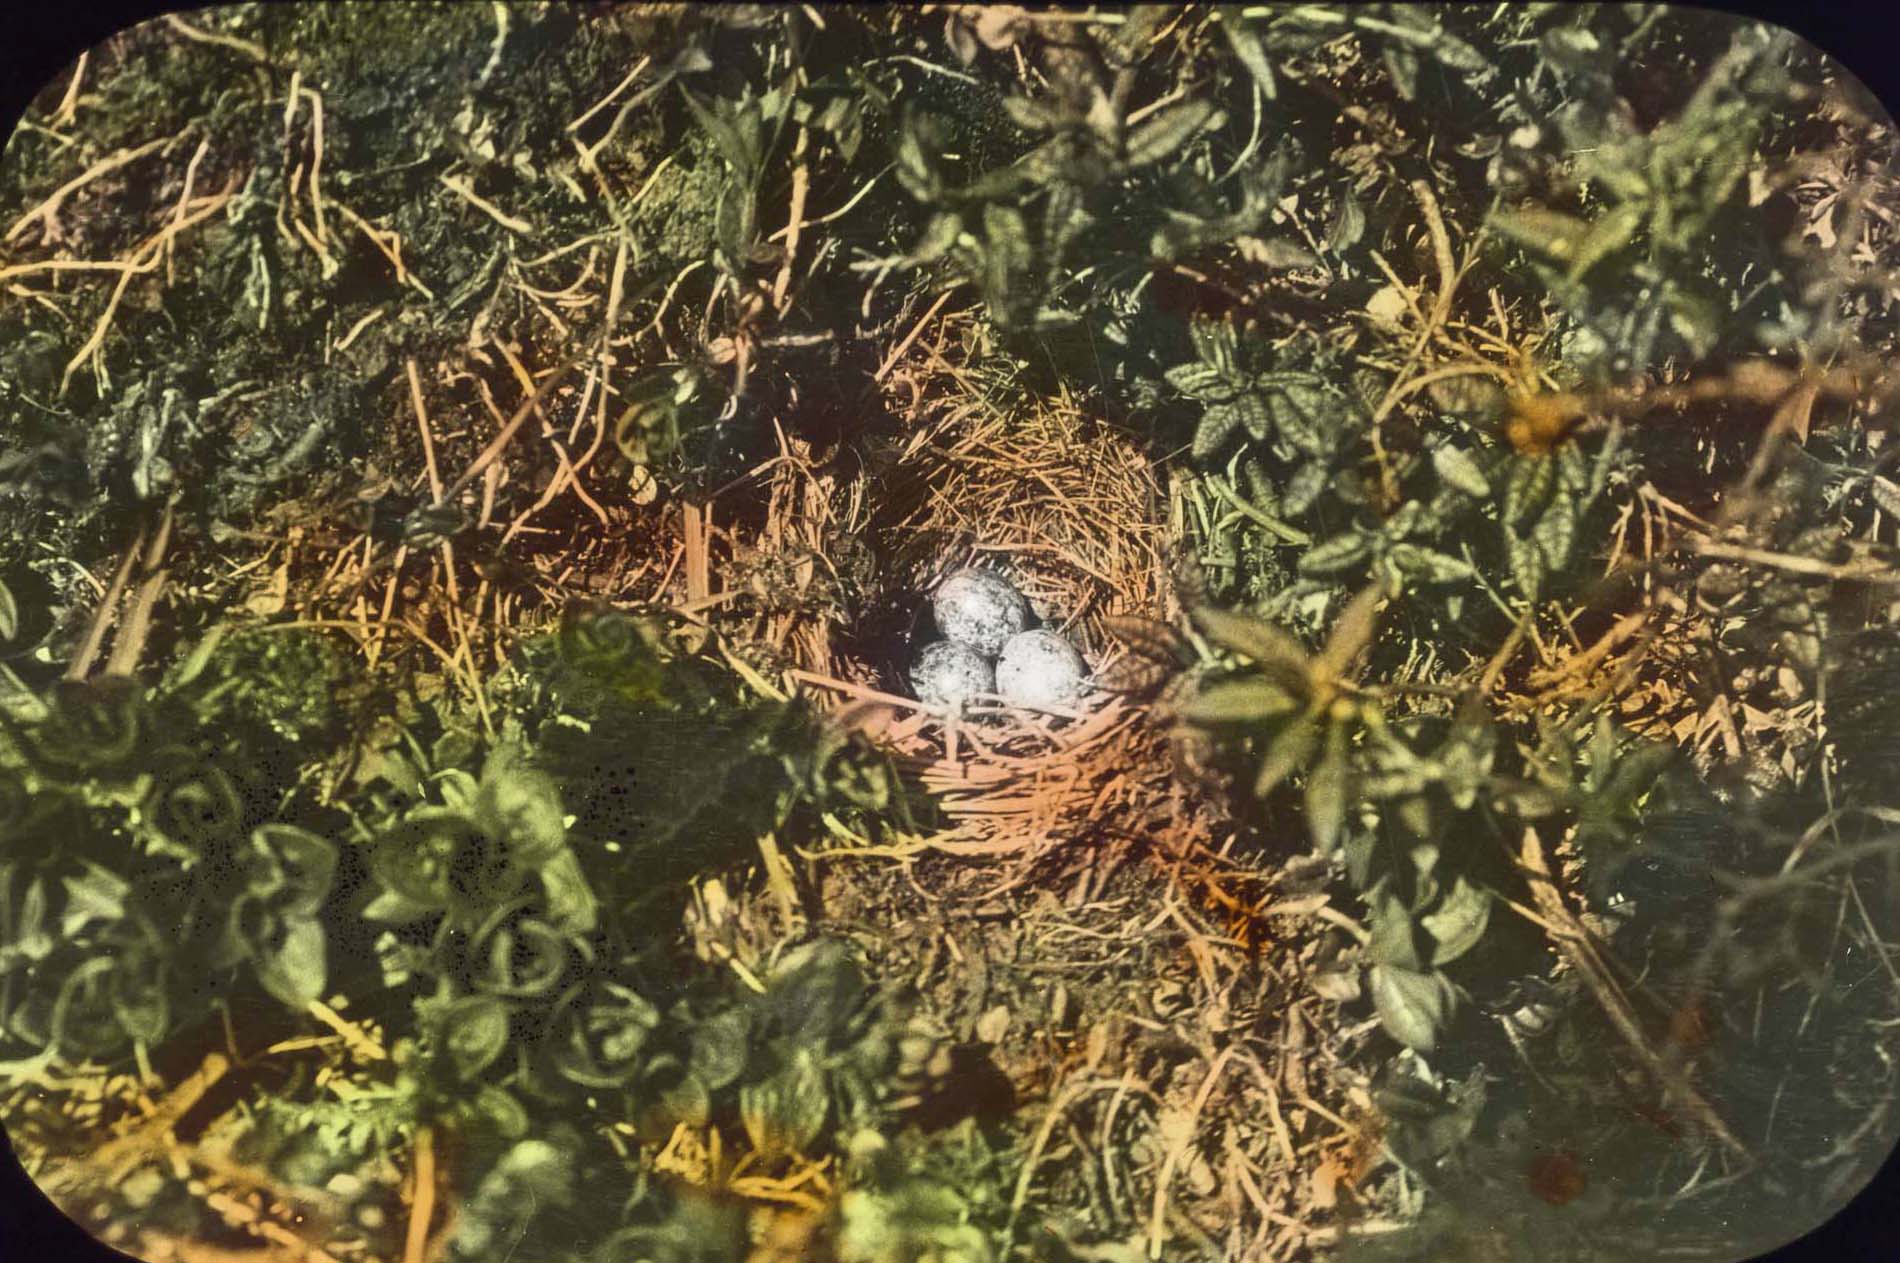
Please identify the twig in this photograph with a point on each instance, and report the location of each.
(801, 185)
(138, 620)
(105, 166)
(460, 187)
(500, 442)
(102, 618)
(1448, 274)
(143, 259)
(890, 362)
(1182, 1145)
(1574, 941)
(254, 51)
(422, 1209)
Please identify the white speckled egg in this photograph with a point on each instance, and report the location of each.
(980, 609)
(949, 673)
(1040, 668)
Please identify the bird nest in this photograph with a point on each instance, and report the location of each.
(1066, 506)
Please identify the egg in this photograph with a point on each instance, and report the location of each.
(979, 608)
(948, 673)
(1040, 668)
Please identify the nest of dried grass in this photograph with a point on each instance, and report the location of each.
(1066, 505)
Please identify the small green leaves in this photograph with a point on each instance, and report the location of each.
(1168, 129)
(786, 1113)
(1458, 469)
(1254, 637)
(1328, 791)
(1531, 483)
(1336, 555)
(1428, 566)
(1527, 564)
(1200, 381)
(1458, 922)
(1414, 1006)
(294, 968)
(1286, 754)
(473, 1031)
(1549, 232)
(1251, 52)
(1252, 700)
(1217, 426)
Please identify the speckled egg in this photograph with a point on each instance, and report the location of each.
(979, 608)
(1040, 668)
(949, 673)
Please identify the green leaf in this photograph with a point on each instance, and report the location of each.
(721, 1048)
(1530, 485)
(1402, 62)
(1254, 415)
(295, 862)
(1254, 637)
(1886, 494)
(1251, 52)
(1545, 231)
(1028, 114)
(1200, 381)
(1458, 922)
(140, 1002)
(1248, 701)
(1065, 217)
(1394, 938)
(1307, 411)
(1696, 319)
(1457, 467)
(1556, 533)
(1336, 555)
(1414, 1007)
(394, 908)
(1286, 754)
(1167, 129)
(1605, 237)
(1281, 254)
(1217, 426)
(1455, 54)
(939, 236)
(1304, 487)
(916, 169)
(98, 894)
(504, 1113)
(473, 1031)
(1429, 566)
(1362, 851)
(572, 906)
(295, 971)
(1217, 344)
(787, 1111)
(521, 806)
(1349, 225)
(1527, 564)
(1327, 790)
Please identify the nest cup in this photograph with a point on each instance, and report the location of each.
(1066, 508)
(1061, 505)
